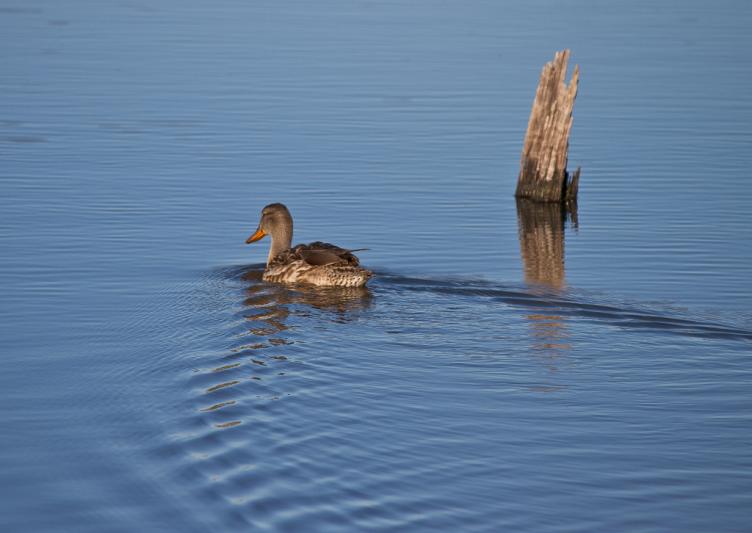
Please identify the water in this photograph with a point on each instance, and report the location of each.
(507, 369)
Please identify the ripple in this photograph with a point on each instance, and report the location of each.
(574, 305)
(25, 139)
(218, 406)
(225, 425)
(222, 386)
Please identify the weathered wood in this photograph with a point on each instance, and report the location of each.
(543, 166)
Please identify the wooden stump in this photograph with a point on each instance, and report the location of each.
(543, 167)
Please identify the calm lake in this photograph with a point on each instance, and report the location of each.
(507, 369)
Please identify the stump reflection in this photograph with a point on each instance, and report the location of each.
(541, 232)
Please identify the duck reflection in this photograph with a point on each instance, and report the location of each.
(541, 232)
(272, 302)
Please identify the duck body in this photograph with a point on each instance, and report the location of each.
(317, 263)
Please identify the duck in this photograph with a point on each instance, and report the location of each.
(317, 263)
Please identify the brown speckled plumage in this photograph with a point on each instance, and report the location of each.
(318, 263)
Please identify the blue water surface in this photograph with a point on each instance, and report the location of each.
(509, 368)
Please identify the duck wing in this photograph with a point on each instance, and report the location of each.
(323, 253)
(315, 254)
(320, 257)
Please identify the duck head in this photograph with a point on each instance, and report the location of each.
(276, 222)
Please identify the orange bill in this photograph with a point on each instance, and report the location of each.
(256, 236)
